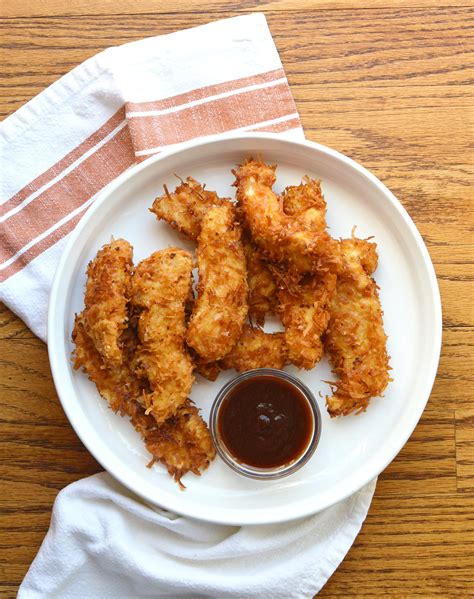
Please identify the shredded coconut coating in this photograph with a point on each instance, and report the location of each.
(355, 339)
(256, 349)
(263, 289)
(281, 237)
(304, 312)
(304, 304)
(161, 287)
(221, 306)
(106, 297)
(182, 443)
(185, 208)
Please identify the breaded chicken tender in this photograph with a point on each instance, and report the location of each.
(280, 236)
(304, 305)
(208, 370)
(107, 293)
(185, 208)
(182, 443)
(306, 203)
(304, 312)
(256, 349)
(161, 286)
(221, 306)
(355, 339)
(118, 384)
(262, 298)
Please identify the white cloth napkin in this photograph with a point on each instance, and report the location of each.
(105, 542)
(58, 152)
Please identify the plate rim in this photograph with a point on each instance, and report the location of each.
(55, 350)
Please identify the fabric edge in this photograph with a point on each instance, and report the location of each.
(347, 534)
(89, 70)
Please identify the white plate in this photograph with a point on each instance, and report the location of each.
(352, 450)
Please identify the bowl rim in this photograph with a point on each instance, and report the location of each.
(108, 461)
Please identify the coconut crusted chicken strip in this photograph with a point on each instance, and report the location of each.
(208, 370)
(185, 208)
(161, 286)
(304, 312)
(304, 305)
(262, 298)
(221, 306)
(256, 349)
(306, 203)
(107, 293)
(355, 339)
(182, 443)
(282, 238)
(117, 384)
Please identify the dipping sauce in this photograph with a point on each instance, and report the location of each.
(265, 422)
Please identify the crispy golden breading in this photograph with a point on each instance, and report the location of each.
(262, 298)
(355, 339)
(282, 238)
(304, 305)
(160, 288)
(221, 306)
(256, 349)
(185, 208)
(106, 297)
(359, 258)
(182, 444)
(118, 384)
(306, 203)
(304, 312)
(208, 370)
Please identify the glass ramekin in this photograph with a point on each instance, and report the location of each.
(253, 471)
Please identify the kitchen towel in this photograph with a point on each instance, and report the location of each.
(105, 543)
(117, 108)
(58, 152)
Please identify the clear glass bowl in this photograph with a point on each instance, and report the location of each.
(250, 470)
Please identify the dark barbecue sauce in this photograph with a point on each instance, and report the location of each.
(265, 422)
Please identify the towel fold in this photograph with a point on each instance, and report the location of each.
(105, 543)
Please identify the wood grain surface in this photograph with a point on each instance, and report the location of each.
(389, 84)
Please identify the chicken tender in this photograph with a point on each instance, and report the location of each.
(161, 286)
(306, 203)
(282, 238)
(262, 298)
(355, 339)
(185, 208)
(304, 312)
(221, 306)
(118, 384)
(208, 370)
(182, 443)
(304, 305)
(107, 293)
(256, 349)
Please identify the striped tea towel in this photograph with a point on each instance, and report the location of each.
(115, 109)
(58, 152)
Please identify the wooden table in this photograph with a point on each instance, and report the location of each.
(386, 82)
